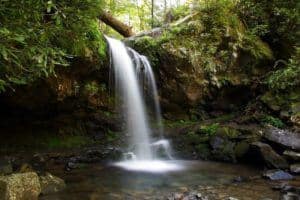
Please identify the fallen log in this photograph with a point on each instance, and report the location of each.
(116, 24)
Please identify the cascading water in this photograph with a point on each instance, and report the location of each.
(147, 80)
(132, 76)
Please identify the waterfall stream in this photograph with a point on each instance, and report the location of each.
(134, 82)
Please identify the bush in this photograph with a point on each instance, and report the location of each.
(276, 21)
(38, 35)
(287, 77)
(210, 129)
(273, 121)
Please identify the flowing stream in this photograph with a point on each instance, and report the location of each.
(134, 83)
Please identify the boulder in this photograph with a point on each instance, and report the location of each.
(284, 138)
(295, 168)
(51, 184)
(292, 155)
(277, 175)
(20, 186)
(270, 157)
(222, 149)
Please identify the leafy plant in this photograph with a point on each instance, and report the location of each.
(210, 129)
(287, 77)
(37, 36)
(276, 21)
(273, 121)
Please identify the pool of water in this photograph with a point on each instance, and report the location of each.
(112, 182)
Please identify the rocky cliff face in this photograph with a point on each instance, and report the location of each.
(53, 111)
(202, 63)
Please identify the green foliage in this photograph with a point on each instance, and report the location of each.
(287, 77)
(277, 21)
(180, 12)
(93, 88)
(273, 121)
(38, 35)
(210, 130)
(211, 43)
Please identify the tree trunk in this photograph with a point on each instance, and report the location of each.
(117, 25)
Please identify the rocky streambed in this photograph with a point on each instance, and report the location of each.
(89, 173)
(270, 168)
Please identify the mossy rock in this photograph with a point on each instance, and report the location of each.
(228, 132)
(241, 149)
(222, 149)
(287, 103)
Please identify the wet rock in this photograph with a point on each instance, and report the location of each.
(21, 186)
(282, 186)
(51, 184)
(283, 137)
(38, 162)
(270, 157)
(178, 196)
(25, 167)
(277, 175)
(223, 149)
(232, 198)
(240, 179)
(5, 167)
(292, 155)
(74, 165)
(290, 196)
(295, 168)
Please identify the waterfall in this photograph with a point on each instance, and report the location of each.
(147, 80)
(126, 85)
(134, 83)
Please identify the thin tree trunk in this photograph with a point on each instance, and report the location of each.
(152, 13)
(116, 24)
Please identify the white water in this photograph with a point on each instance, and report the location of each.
(133, 76)
(147, 79)
(127, 87)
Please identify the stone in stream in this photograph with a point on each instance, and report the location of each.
(290, 196)
(292, 155)
(51, 184)
(278, 175)
(283, 137)
(270, 157)
(20, 186)
(295, 168)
